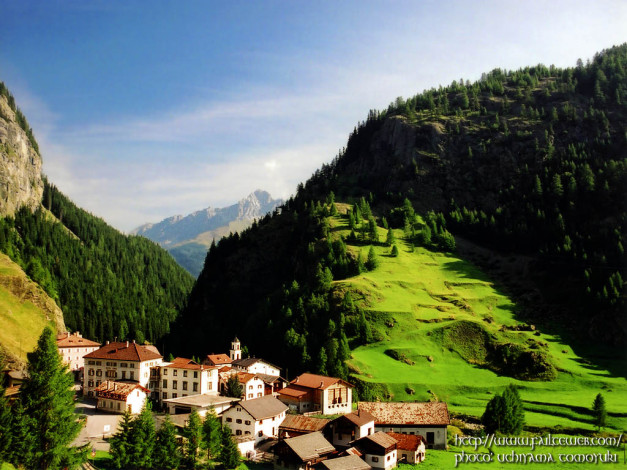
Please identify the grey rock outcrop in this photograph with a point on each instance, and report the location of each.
(20, 166)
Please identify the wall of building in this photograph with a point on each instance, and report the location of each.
(386, 461)
(336, 399)
(254, 388)
(439, 433)
(99, 370)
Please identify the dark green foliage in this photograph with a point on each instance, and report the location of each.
(107, 284)
(229, 453)
(599, 411)
(394, 251)
(166, 454)
(48, 400)
(193, 434)
(142, 440)
(372, 262)
(22, 441)
(234, 387)
(504, 413)
(19, 117)
(5, 419)
(390, 239)
(211, 434)
(120, 449)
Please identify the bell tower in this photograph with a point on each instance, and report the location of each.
(236, 351)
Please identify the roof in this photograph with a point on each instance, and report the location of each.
(407, 441)
(118, 390)
(350, 462)
(244, 377)
(303, 423)
(309, 446)
(318, 381)
(218, 359)
(124, 351)
(358, 418)
(292, 392)
(249, 361)
(408, 413)
(263, 407)
(379, 439)
(16, 374)
(75, 340)
(270, 379)
(201, 400)
(183, 363)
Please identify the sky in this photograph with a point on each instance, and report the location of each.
(144, 110)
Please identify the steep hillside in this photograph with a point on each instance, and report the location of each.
(189, 237)
(25, 309)
(20, 163)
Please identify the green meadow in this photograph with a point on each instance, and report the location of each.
(435, 317)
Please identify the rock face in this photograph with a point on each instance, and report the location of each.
(187, 238)
(20, 166)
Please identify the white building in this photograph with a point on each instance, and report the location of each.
(350, 427)
(311, 392)
(378, 450)
(200, 403)
(116, 397)
(184, 377)
(255, 365)
(73, 348)
(259, 418)
(121, 361)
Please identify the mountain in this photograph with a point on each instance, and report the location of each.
(188, 237)
(106, 284)
(523, 172)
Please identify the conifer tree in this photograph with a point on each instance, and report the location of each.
(390, 239)
(120, 448)
(142, 440)
(394, 251)
(48, 399)
(373, 261)
(229, 453)
(193, 434)
(211, 434)
(166, 454)
(492, 417)
(322, 362)
(599, 411)
(5, 420)
(21, 438)
(234, 387)
(515, 414)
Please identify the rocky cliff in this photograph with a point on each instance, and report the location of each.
(20, 165)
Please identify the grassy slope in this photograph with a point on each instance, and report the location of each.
(411, 291)
(21, 320)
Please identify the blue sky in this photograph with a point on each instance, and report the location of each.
(144, 110)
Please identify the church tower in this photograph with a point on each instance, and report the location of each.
(236, 352)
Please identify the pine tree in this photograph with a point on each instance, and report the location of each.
(166, 453)
(193, 434)
(229, 453)
(373, 261)
(120, 448)
(492, 417)
(599, 411)
(5, 420)
(234, 387)
(394, 251)
(22, 441)
(142, 439)
(390, 239)
(515, 414)
(321, 367)
(211, 434)
(48, 399)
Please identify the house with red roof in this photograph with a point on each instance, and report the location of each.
(312, 392)
(73, 348)
(117, 397)
(427, 419)
(122, 362)
(183, 377)
(378, 450)
(410, 447)
(350, 427)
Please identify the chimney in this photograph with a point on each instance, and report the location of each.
(107, 341)
(68, 334)
(127, 344)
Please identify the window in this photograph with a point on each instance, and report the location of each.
(195, 386)
(99, 373)
(132, 366)
(238, 432)
(123, 374)
(175, 395)
(375, 459)
(98, 363)
(165, 395)
(259, 395)
(165, 383)
(388, 457)
(132, 375)
(111, 374)
(165, 371)
(247, 422)
(250, 387)
(260, 434)
(98, 383)
(184, 373)
(91, 372)
(238, 421)
(174, 372)
(175, 384)
(91, 363)
(90, 383)
(229, 420)
(195, 374)
(185, 385)
(210, 385)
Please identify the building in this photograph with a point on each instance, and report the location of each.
(255, 365)
(378, 450)
(410, 447)
(122, 361)
(235, 353)
(302, 452)
(73, 348)
(259, 418)
(117, 397)
(349, 462)
(218, 360)
(350, 427)
(297, 425)
(311, 392)
(272, 383)
(252, 385)
(201, 403)
(427, 419)
(184, 377)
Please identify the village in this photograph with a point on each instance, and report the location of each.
(309, 421)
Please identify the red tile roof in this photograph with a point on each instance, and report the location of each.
(359, 417)
(183, 363)
(218, 359)
(318, 381)
(74, 340)
(124, 351)
(407, 441)
(118, 390)
(404, 413)
(290, 392)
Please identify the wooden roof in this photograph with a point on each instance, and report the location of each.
(318, 381)
(309, 446)
(304, 424)
(407, 441)
(349, 462)
(124, 351)
(74, 340)
(407, 413)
